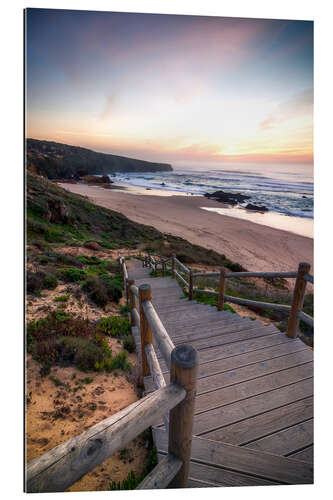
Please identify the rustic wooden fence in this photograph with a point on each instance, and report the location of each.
(187, 278)
(65, 464)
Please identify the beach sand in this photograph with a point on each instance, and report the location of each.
(254, 246)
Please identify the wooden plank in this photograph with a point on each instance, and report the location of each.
(214, 323)
(287, 440)
(305, 455)
(196, 483)
(244, 390)
(237, 361)
(210, 331)
(218, 365)
(65, 464)
(223, 477)
(209, 476)
(230, 377)
(246, 373)
(243, 460)
(220, 352)
(217, 418)
(162, 474)
(232, 337)
(266, 423)
(200, 319)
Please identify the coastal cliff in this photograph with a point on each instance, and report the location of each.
(62, 161)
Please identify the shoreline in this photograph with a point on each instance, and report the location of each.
(257, 247)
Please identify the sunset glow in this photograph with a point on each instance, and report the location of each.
(177, 89)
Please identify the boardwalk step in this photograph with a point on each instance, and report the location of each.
(255, 463)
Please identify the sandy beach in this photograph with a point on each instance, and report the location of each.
(254, 246)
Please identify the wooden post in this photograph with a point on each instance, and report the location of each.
(183, 371)
(131, 300)
(298, 299)
(220, 302)
(190, 286)
(145, 330)
(173, 266)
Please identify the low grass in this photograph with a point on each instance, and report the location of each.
(115, 326)
(62, 339)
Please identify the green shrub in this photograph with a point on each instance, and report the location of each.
(129, 343)
(61, 298)
(119, 362)
(124, 310)
(96, 290)
(72, 274)
(113, 287)
(115, 326)
(83, 353)
(40, 280)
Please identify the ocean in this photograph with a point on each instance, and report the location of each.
(283, 192)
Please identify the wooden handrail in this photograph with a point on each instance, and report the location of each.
(65, 464)
(184, 268)
(156, 374)
(161, 476)
(256, 303)
(246, 302)
(305, 317)
(181, 278)
(155, 369)
(161, 336)
(249, 274)
(308, 277)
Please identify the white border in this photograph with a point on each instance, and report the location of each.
(12, 210)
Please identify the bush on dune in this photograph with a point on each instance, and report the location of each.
(40, 280)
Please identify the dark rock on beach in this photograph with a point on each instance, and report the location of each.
(256, 208)
(230, 198)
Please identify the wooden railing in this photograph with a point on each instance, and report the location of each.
(156, 261)
(187, 277)
(65, 464)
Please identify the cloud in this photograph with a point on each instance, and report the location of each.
(108, 108)
(299, 106)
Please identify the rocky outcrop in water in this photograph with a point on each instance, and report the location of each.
(256, 208)
(229, 198)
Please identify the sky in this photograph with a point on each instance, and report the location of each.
(185, 90)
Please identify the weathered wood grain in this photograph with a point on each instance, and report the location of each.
(161, 336)
(305, 317)
(266, 423)
(183, 372)
(181, 278)
(65, 464)
(287, 440)
(305, 455)
(239, 459)
(298, 299)
(162, 474)
(217, 418)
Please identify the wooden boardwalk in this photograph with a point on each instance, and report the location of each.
(253, 420)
